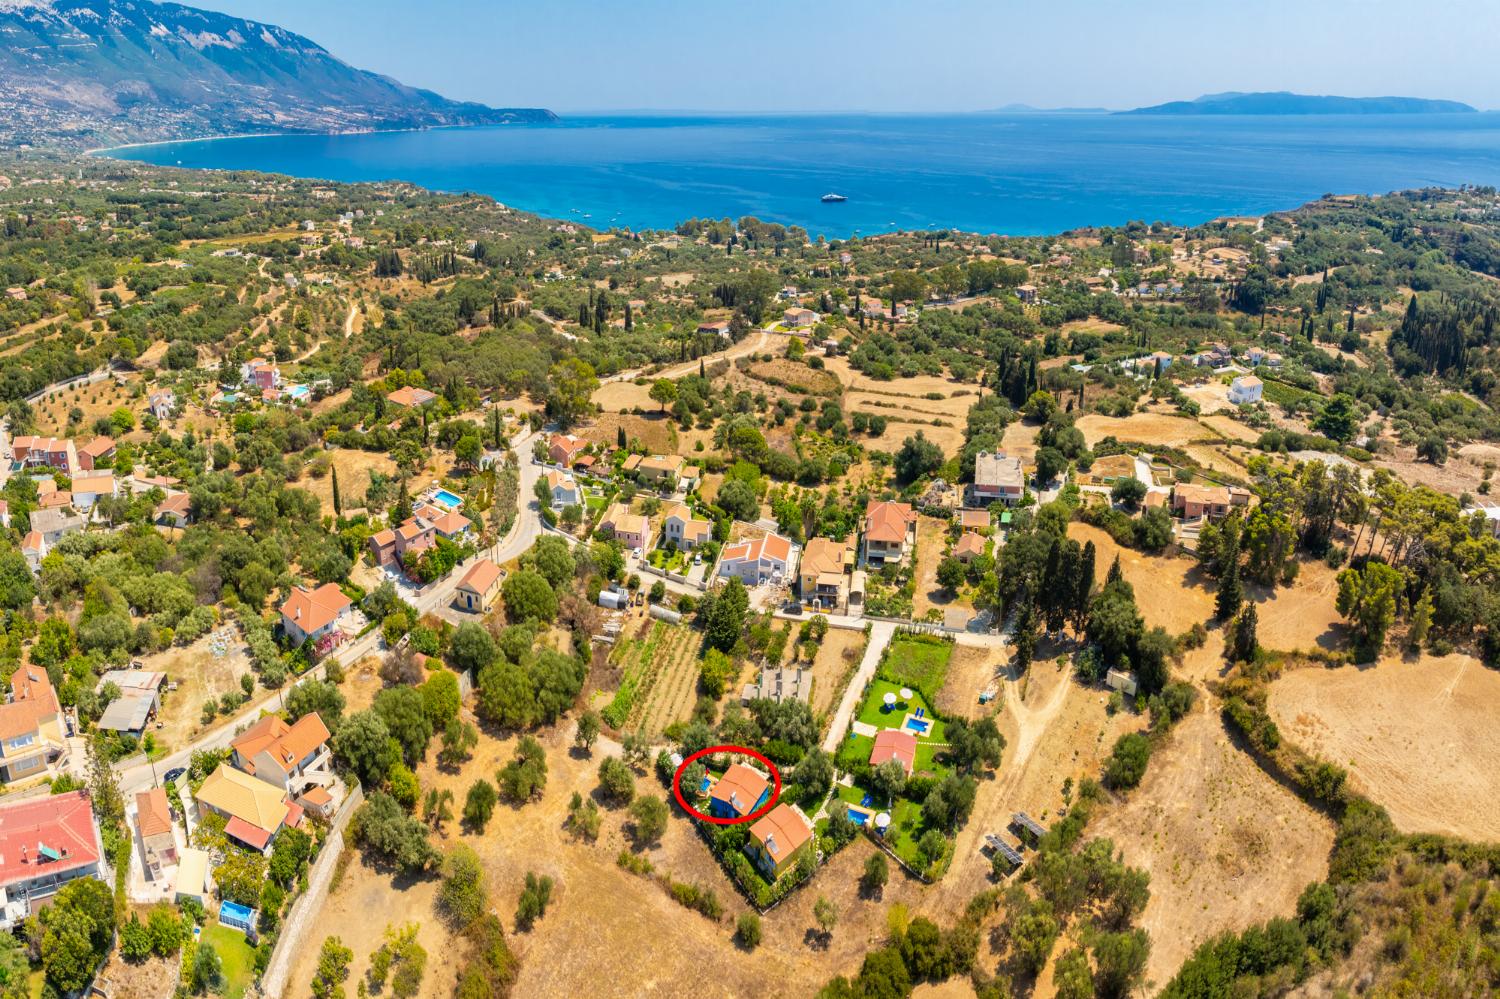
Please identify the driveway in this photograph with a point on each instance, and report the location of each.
(881, 633)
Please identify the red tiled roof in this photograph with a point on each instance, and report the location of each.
(888, 521)
(153, 814)
(61, 822)
(251, 836)
(781, 831)
(481, 576)
(32, 699)
(287, 744)
(315, 609)
(894, 744)
(743, 785)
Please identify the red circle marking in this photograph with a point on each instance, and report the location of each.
(710, 751)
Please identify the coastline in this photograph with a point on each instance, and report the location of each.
(101, 150)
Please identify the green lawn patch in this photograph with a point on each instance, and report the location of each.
(872, 709)
(917, 661)
(238, 957)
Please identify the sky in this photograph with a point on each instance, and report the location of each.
(884, 55)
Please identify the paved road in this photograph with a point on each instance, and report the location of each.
(881, 633)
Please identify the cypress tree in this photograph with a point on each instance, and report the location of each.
(1231, 594)
(338, 507)
(1084, 584)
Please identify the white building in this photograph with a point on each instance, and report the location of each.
(1245, 389)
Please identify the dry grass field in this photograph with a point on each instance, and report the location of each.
(622, 397)
(1171, 592)
(1054, 730)
(595, 938)
(95, 401)
(354, 478)
(200, 675)
(796, 376)
(931, 541)
(838, 654)
(1302, 615)
(1229, 427)
(970, 671)
(1226, 846)
(1421, 737)
(1147, 428)
(656, 433)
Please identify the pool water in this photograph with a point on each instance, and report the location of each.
(450, 500)
(703, 788)
(858, 816)
(917, 725)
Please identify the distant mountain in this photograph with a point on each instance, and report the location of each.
(1283, 102)
(97, 71)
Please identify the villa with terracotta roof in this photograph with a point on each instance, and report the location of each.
(260, 373)
(759, 560)
(822, 573)
(44, 843)
(316, 615)
(679, 527)
(738, 793)
(480, 587)
(969, 547)
(174, 511)
(289, 757)
(895, 744)
(95, 452)
(255, 809)
(890, 529)
(660, 471)
(633, 530)
(778, 840)
(32, 737)
(563, 449)
(45, 452)
(411, 396)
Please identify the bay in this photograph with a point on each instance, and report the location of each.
(1016, 174)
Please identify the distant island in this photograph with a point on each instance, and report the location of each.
(1284, 102)
(95, 72)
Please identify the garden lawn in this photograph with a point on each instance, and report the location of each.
(238, 957)
(872, 712)
(917, 662)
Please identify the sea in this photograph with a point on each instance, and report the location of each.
(1011, 174)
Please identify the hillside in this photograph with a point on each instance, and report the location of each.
(96, 71)
(1283, 102)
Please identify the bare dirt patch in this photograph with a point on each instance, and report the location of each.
(200, 676)
(620, 397)
(932, 539)
(970, 671)
(1230, 427)
(1421, 737)
(1225, 844)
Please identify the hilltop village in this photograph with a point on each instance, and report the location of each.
(406, 593)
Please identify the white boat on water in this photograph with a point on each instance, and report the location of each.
(829, 199)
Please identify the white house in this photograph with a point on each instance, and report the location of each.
(1245, 389)
(757, 561)
(564, 489)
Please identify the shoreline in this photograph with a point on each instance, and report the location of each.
(101, 150)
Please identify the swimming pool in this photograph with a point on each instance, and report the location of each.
(918, 725)
(858, 815)
(450, 500)
(707, 783)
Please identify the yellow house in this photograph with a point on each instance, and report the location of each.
(480, 588)
(31, 727)
(777, 840)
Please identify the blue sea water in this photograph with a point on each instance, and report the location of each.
(1017, 174)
